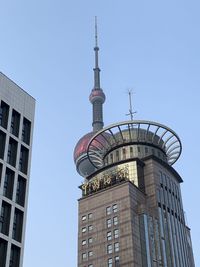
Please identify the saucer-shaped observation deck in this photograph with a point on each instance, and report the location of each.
(131, 139)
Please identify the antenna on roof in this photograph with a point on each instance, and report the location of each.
(131, 112)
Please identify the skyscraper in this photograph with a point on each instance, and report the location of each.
(16, 130)
(130, 212)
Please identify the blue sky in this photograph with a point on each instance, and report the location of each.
(46, 47)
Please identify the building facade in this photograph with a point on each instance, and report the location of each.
(130, 212)
(16, 130)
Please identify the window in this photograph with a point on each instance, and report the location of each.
(131, 152)
(124, 153)
(21, 191)
(23, 160)
(4, 110)
(83, 217)
(115, 209)
(116, 245)
(117, 155)
(83, 229)
(146, 150)
(111, 158)
(5, 218)
(3, 251)
(108, 210)
(90, 240)
(90, 253)
(26, 130)
(2, 144)
(12, 152)
(115, 220)
(90, 215)
(83, 242)
(90, 227)
(15, 121)
(116, 261)
(109, 223)
(109, 249)
(8, 183)
(109, 235)
(1, 167)
(17, 225)
(84, 256)
(110, 261)
(116, 233)
(14, 256)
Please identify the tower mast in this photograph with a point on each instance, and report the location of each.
(97, 96)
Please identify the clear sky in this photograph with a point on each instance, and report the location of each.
(46, 47)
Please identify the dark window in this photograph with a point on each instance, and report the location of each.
(23, 160)
(4, 111)
(26, 131)
(8, 184)
(21, 191)
(2, 144)
(14, 256)
(3, 252)
(1, 167)
(17, 225)
(12, 152)
(5, 218)
(124, 153)
(15, 121)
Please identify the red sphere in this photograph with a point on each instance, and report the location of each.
(81, 146)
(97, 94)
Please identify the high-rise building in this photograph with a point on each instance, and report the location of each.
(130, 212)
(16, 130)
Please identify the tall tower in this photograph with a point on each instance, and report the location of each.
(16, 130)
(130, 212)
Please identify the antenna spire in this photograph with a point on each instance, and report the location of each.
(131, 112)
(96, 33)
(97, 96)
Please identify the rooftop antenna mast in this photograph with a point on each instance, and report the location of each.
(131, 112)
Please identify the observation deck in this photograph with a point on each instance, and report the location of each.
(131, 139)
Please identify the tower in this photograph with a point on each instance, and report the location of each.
(16, 130)
(131, 212)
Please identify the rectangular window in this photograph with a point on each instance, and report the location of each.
(116, 246)
(83, 229)
(117, 261)
(116, 233)
(26, 131)
(90, 228)
(1, 167)
(8, 183)
(110, 262)
(124, 153)
(108, 210)
(83, 242)
(12, 152)
(2, 144)
(21, 190)
(15, 122)
(17, 225)
(84, 256)
(115, 209)
(90, 240)
(23, 160)
(14, 256)
(90, 253)
(131, 152)
(83, 217)
(109, 235)
(115, 220)
(109, 249)
(3, 252)
(4, 111)
(90, 215)
(5, 218)
(109, 223)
